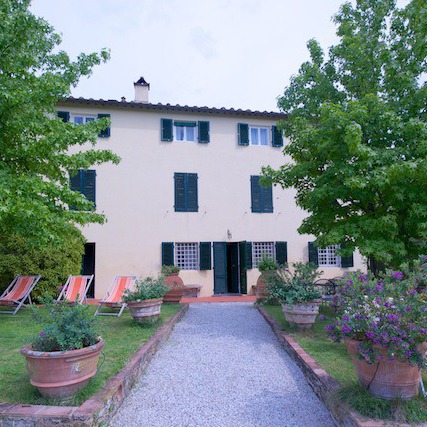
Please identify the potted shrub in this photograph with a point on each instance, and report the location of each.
(174, 282)
(267, 267)
(146, 299)
(64, 356)
(297, 293)
(382, 321)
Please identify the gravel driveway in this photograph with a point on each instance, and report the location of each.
(222, 366)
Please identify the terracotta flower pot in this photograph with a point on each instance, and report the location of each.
(261, 284)
(177, 288)
(302, 314)
(146, 311)
(387, 379)
(60, 374)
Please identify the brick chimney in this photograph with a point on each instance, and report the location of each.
(141, 90)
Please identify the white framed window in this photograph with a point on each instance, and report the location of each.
(186, 132)
(187, 256)
(328, 256)
(258, 135)
(260, 250)
(82, 119)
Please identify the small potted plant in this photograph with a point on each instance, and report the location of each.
(382, 322)
(146, 299)
(267, 266)
(296, 291)
(64, 355)
(174, 282)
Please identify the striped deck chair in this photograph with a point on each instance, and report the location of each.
(113, 298)
(18, 292)
(75, 289)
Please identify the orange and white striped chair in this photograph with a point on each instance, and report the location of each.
(75, 289)
(18, 292)
(113, 298)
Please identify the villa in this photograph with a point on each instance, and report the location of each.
(187, 193)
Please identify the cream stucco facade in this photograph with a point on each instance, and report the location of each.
(138, 198)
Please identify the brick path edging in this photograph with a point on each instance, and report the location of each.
(99, 409)
(320, 381)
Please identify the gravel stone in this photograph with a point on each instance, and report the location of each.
(222, 366)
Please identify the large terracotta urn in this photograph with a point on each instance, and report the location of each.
(60, 374)
(177, 288)
(146, 311)
(262, 286)
(386, 379)
(302, 314)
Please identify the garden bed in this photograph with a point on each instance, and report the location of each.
(123, 339)
(333, 358)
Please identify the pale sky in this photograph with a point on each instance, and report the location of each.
(214, 53)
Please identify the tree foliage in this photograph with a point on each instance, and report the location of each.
(35, 145)
(53, 261)
(356, 119)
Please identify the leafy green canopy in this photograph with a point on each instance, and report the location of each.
(35, 145)
(358, 134)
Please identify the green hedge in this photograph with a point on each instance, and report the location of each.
(53, 262)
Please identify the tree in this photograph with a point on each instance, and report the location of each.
(35, 145)
(52, 261)
(358, 135)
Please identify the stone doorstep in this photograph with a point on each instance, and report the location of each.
(100, 408)
(320, 381)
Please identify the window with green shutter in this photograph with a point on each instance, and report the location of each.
(277, 137)
(261, 197)
(167, 253)
(205, 255)
(64, 116)
(166, 129)
(203, 132)
(85, 183)
(186, 192)
(243, 133)
(347, 261)
(104, 133)
(312, 254)
(281, 252)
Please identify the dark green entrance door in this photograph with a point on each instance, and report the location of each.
(230, 267)
(220, 267)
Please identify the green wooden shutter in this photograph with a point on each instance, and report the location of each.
(281, 252)
(220, 267)
(261, 197)
(104, 133)
(248, 255)
(64, 115)
(242, 270)
(256, 204)
(166, 129)
(347, 261)
(89, 185)
(167, 253)
(203, 132)
(179, 179)
(75, 181)
(276, 137)
(243, 133)
(205, 256)
(267, 199)
(312, 254)
(192, 202)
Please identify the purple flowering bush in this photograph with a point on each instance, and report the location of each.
(390, 311)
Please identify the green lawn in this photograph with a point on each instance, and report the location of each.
(122, 337)
(334, 359)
